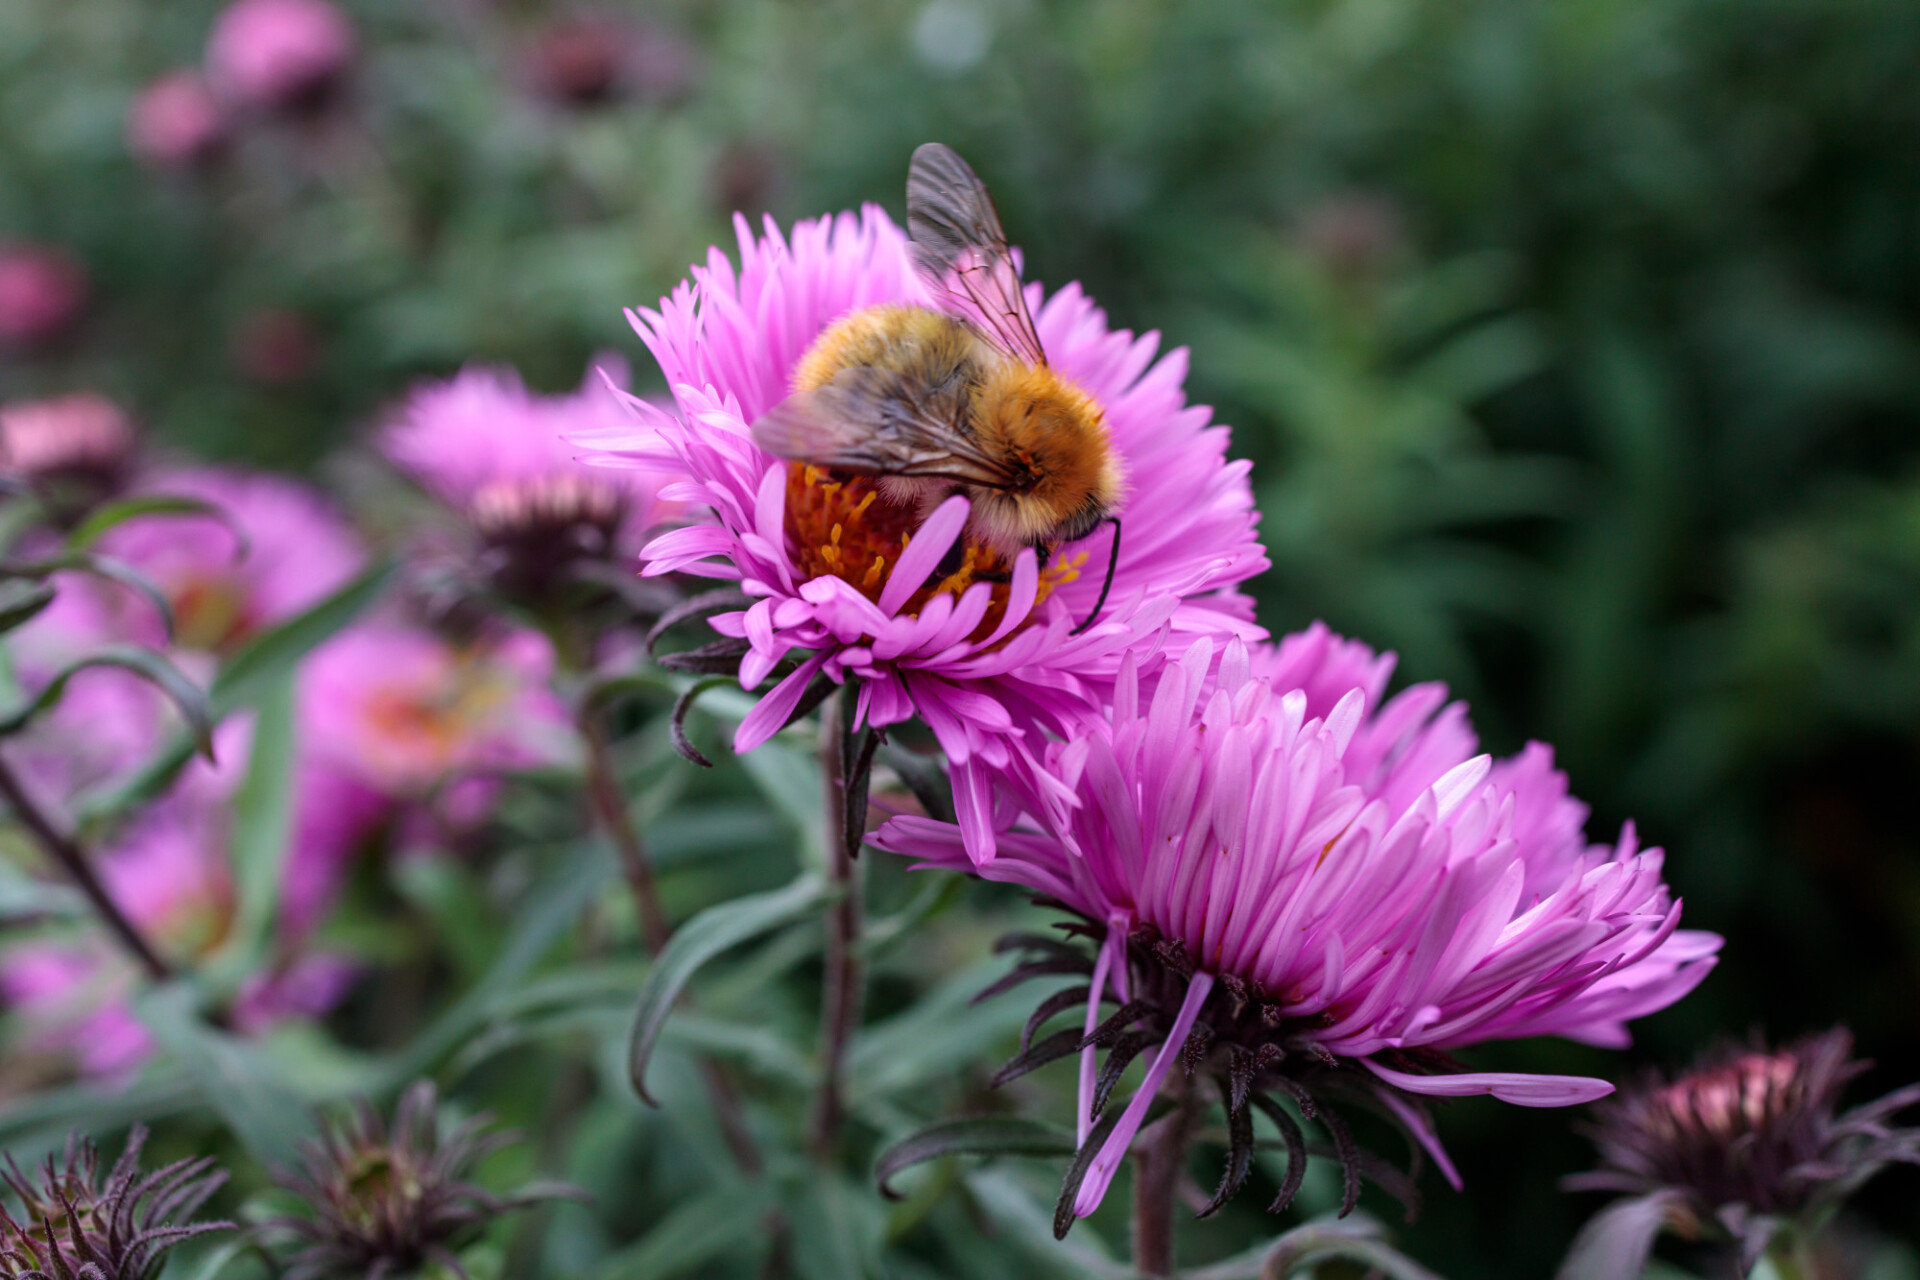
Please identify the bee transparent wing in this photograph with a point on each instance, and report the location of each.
(961, 252)
(877, 422)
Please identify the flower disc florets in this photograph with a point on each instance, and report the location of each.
(1749, 1141)
(1283, 868)
(838, 584)
(76, 451)
(73, 1227)
(385, 1201)
(497, 454)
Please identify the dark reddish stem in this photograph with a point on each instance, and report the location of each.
(610, 807)
(844, 981)
(73, 860)
(1159, 1158)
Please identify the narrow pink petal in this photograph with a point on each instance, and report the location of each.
(924, 553)
(770, 714)
(1417, 1125)
(1508, 1086)
(1107, 1163)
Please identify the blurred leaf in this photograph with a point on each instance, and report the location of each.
(973, 1135)
(1617, 1241)
(33, 1124)
(262, 838)
(1298, 1252)
(233, 1078)
(701, 939)
(109, 515)
(22, 601)
(547, 913)
(252, 672)
(837, 1229)
(145, 663)
(692, 1234)
(112, 570)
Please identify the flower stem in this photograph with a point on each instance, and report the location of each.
(844, 983)
(73, 860)
(610, 809)
(1160, 1157)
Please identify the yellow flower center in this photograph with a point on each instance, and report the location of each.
(840, 525)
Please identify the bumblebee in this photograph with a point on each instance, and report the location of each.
(956, 398)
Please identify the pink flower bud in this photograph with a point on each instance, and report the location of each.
(42, 293)
(176, 122)
(279, 55)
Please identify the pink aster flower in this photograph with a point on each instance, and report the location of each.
(299, 550)
(168, 870)
(43, 290)
(404, 712)
(499, 455)
(279, 54)
(990, 666)
(176, 122)
(1307, 888)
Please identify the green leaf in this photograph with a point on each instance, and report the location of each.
(110, 514)
(548, 913)
(115, 571)
(837, 1229)
(250, 674)
(701, 939)
(233, 1078)
(262, 836)
(692, 1234)
(31, 1125)
(22, 602)
(971, 1136)
(147, 664)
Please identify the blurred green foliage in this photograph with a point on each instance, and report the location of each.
(1575, 345)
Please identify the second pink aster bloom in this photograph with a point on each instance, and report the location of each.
(298, 551)
(499, 455)
(279, 55)
(404, 712)
(1321, 893)
(840, 585)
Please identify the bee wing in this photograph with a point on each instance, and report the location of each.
(961, 251)
(877, 422)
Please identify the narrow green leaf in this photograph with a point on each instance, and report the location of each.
(262, 835)
(250, 674)
(971, 1136)
(146, 663)
(232, 1077)
(692, 1234)
(111, 514)
(548, 912)
(837, 1229)
(22, 602)
(701, 939)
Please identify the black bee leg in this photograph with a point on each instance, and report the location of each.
(950, 562)
(1113, 562)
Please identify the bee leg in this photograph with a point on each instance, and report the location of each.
(950, 563)
(1113, 562)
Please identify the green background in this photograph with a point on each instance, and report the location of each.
(1574, 344)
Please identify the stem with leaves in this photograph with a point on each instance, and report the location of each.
(1160, 1157)
(73, 860)
(610, 810)
(846, 763)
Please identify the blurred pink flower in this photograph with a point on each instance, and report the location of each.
(500, 454)
(76, 450)
(404, 712)
(1314, 875)
(176, 122)
(274, 347)
(168, 870)
(991, 667)
(43, 290)
(299, 550)
(279, 55)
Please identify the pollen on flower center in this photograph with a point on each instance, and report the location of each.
(841, 525)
